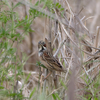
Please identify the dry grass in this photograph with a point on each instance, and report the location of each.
(73, 39)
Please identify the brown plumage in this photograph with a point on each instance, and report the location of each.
(47, 59)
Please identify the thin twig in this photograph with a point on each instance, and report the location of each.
(97, 36)
(61, 44)
(68, 69)
(90, 70)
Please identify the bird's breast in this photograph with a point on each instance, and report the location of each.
(40, 54)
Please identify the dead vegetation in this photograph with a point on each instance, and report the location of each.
(73, 38)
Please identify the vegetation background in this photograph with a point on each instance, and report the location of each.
(72, 29)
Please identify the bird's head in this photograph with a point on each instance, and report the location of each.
(41, 46)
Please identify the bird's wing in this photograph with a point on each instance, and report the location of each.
(52, 62)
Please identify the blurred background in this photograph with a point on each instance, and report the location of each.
(90, 14)
(72, 27)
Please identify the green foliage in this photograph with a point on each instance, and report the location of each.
(39, 64)
(46, 4)
(27, 77)
(58, 6)
(9, 60)
(32, 92)
(35, 13)
(63, 84)
(56, 96)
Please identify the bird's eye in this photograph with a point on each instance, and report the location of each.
(44, 45)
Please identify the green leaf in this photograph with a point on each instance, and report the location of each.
(96, 99)
(57, 4)
(32, 92)
(63, 84)
(27, 77)
(61, 9)
(16, 5)
(57, 96)
(37, 3)
(43, 66)
(1, 87)
(54, 96)
(39, 64)
(22, 22)
(4, 92)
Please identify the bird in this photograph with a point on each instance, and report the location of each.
(48, 60)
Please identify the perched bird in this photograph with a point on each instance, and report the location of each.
(50, 62)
